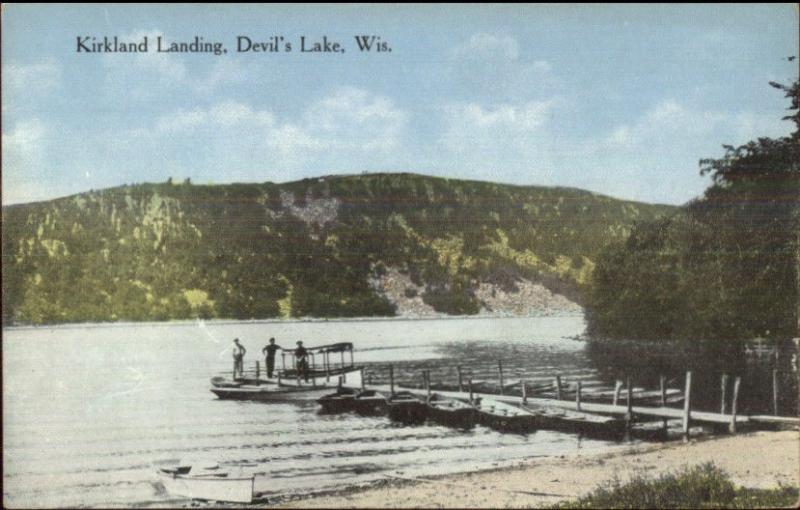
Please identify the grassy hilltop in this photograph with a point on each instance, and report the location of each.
(317, 247)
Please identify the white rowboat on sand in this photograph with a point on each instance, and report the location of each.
(207, 485)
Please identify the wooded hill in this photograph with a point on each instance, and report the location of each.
(300, 249)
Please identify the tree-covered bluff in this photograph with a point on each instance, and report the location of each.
(308, 248)
(723, 268)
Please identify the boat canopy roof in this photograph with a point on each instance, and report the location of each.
(338, 347)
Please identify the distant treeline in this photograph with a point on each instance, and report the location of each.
(723, 267)
(306, 248)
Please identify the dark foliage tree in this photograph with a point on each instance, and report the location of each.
(724, 267)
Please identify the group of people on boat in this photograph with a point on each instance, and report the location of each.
(269, 351)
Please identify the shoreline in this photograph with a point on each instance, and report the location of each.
(309, 320)
(763, 459)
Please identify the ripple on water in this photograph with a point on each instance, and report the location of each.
(86, 430)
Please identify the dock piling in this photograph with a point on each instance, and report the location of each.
(662, 380)
(629, 399)
(460, 379)
(391, 379)
(471, 400)
(427, 377)
(775, 391)
(687, 404)
(500, 370)
(724, 389)
(736, 382)
(524, 391)
(617, 389)
(558, 387)
(578, 397)
(258, 372)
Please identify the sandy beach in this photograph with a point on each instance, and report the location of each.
(755, 460)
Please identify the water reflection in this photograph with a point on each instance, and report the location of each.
(645, 362)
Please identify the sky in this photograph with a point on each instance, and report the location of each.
(622, 100)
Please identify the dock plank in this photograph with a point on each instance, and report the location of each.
(593, 407)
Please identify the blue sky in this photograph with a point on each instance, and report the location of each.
(620, 100)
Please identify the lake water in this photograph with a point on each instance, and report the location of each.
(88, 408)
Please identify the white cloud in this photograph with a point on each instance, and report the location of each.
(181, 121)
(292, 141)
(354, 119)
(351, 104)
(488, 46)
(222, 72)
(521, 120)
(29, 87)
(346, 130)
(503, 139)
(670, 123)
(228, 114)
(542, 66)
(24, 162)
(496, 68)
(349, 119)
(655, 157)
(750, 125)
(229, 141)
(24, 140)
(33, 79)
(143, 76)
(524, 117)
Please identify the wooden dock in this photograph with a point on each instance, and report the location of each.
(591, 407)
(628, 412)
(629, 403)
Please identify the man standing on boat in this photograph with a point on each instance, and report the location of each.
(238, 358)
(270, 350)
(301, 357)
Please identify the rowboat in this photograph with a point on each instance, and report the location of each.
(340, 401)
(405, 408)
(504, 417)
(268, 392)
(588, 424)
(369, 402)
(290, 383)
(450, 412)
(208, 484)
(221, 382)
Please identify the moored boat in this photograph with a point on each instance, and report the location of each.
(340, 401)
(567, 420)
(290, 383)
(504, 417)
(221, 382)
(206, 484)
(406, 408)
(451, 412)
(268, 392)
(370, 402)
